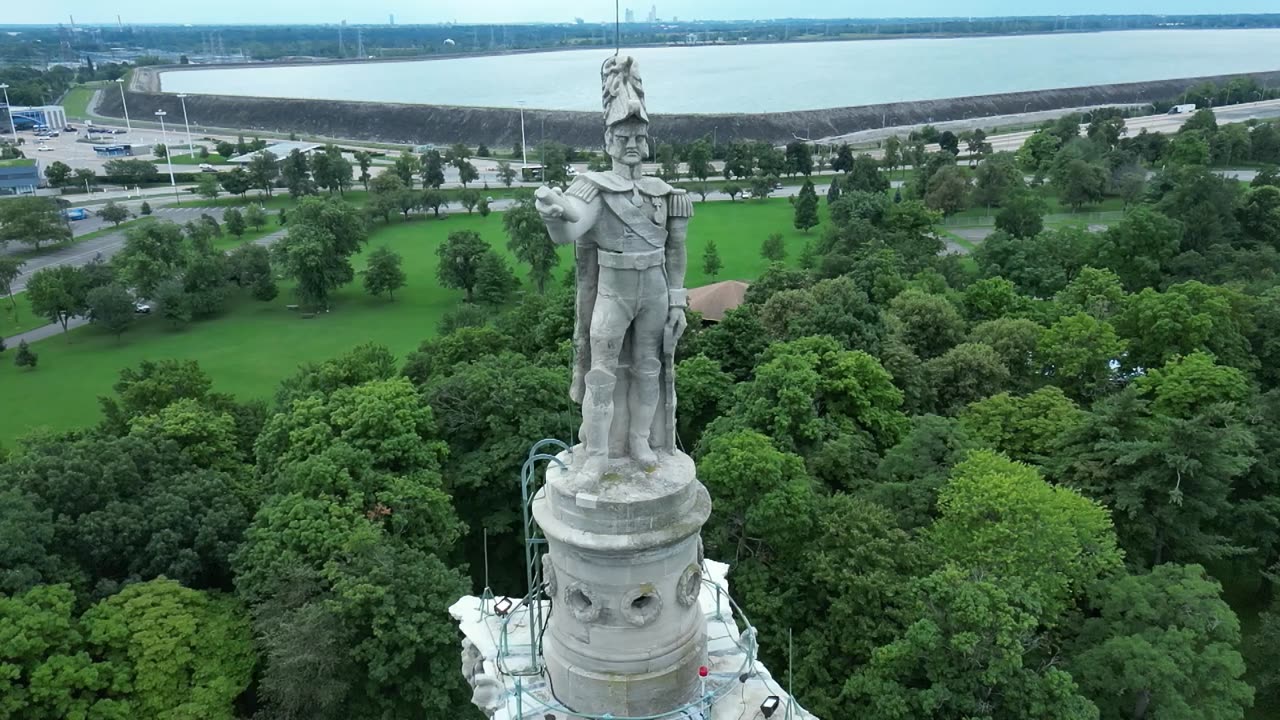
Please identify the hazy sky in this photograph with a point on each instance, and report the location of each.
(499, 11)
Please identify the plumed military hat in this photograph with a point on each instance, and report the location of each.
(623, 90)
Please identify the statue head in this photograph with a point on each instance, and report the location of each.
(626, 134)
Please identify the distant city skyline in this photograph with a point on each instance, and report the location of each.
(408, 12)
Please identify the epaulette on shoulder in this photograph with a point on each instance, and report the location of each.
(680, 205)
(583, 189)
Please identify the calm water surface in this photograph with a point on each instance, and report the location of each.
(769, 78)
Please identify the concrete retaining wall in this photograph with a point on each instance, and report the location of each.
(421, 124)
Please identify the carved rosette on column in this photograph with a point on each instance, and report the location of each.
(626, 635)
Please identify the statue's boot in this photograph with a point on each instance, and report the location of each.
(597, 418)
(642, 403)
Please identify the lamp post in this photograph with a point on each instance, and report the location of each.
(13, 126)
(191, 149)
(128, 126)
(524, 146)
(168, 154)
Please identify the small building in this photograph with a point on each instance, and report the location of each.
(716, 299)
(49, 116)
(280, 149)
(20, 176)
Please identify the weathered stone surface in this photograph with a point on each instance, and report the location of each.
(625, 636)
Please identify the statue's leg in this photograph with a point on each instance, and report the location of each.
(646, 371)
(609, 323)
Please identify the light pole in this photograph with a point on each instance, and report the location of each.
(524, 146)
(128, 126)
(191, 149)
(168, 154)
(13, 126)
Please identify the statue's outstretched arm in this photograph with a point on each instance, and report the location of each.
(567, 217)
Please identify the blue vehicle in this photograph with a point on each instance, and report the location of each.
(75, 214)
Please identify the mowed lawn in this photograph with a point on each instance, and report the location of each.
(250, 347)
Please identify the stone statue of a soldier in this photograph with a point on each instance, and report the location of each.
(629, 232)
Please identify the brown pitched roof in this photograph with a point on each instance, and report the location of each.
(714, 300)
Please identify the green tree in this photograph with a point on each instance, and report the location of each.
(929, 324)
(1189, 148)
(384, 193)
(1163, 644)
(406, 167)
(469, 199)
(234, 221)
(145, 208)
(152, 253)
(1028, 428)
(1022, 215)
(435, 200)
(529, 241)
(1000, 520)
(296, 172)
(111, 307)
(316, 251)
(964, 655)
(131, 172)
(57, 173)
(698, 160)
(1259, 215)
(10, 269)
(733, 190)
(236, 182)
(262, 172)
(806, 207)
(172, 302)
(997, 179)
(1078, 351)
(948, 190)
(183, 651)
(506, 173)
(330, 170)
(711, 263)
(1167, 479)
(25, 358)
(892, 154)
(966, 373)
(47, 669)
(57, 293)
(762, 185)
(384, 273)
(364, 159)
(466, 172)
(254, 215)
(33, 221)
(773, 249)
(1140, 247)
(799, 158)
(460, 260)
(1081, 183)
(432, 169)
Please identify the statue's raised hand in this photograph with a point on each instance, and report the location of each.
(553, 205)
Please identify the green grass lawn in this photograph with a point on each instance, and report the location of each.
(252, 346)
(17, 162)
(76, 101)
(186, 159)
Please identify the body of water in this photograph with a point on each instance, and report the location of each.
(768, 78)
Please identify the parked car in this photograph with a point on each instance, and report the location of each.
(142, 308)
(44, 148)
(75, 214)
